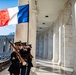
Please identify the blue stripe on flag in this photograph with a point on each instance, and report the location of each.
(23, 14)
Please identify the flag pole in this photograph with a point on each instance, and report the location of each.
(28, 31)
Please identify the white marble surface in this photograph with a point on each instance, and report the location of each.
(45, 68)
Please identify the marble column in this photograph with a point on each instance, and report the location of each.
(42, 39)
(59, 62)
(45, 54)
(68, 41)
(21, 29)
(41, 46)
(37, 47)
(61, 40)
(56, 42)
(32, 32)
(53, 46)
(50, 45)
(74, 34)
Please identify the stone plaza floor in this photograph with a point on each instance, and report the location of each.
(50, 68)
(45, 68)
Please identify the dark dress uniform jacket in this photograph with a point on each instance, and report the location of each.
(25, 55)
(29, 61)
(14, 67)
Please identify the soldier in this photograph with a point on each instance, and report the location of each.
(14, 68)
(29, 61)
(23, 53)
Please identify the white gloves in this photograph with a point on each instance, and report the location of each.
(24, 63)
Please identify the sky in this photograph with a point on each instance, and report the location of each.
(6, 30)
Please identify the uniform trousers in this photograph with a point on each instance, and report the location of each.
(25, 71)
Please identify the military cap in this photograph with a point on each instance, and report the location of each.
(23, 43)
(18, 43)
(29, 45)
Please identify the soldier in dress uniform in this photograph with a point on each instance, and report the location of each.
(23, 53)
(14, 68)
(29, 60)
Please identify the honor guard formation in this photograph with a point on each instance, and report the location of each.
(17, 67)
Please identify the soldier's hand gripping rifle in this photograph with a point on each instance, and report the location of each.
(21, 59)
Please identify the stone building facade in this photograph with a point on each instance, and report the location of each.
(5, 48)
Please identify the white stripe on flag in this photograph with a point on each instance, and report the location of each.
(13, 15)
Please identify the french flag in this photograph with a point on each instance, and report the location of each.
(14, 15)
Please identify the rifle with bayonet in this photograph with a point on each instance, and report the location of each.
(21, 59)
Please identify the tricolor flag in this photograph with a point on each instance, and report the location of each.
(14, 15)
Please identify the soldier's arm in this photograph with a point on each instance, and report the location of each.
(31, 55)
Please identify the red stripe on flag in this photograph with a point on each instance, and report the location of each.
(4, 17)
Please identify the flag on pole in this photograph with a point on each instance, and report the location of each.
(14, 15)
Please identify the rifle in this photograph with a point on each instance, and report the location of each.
(21, 59)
